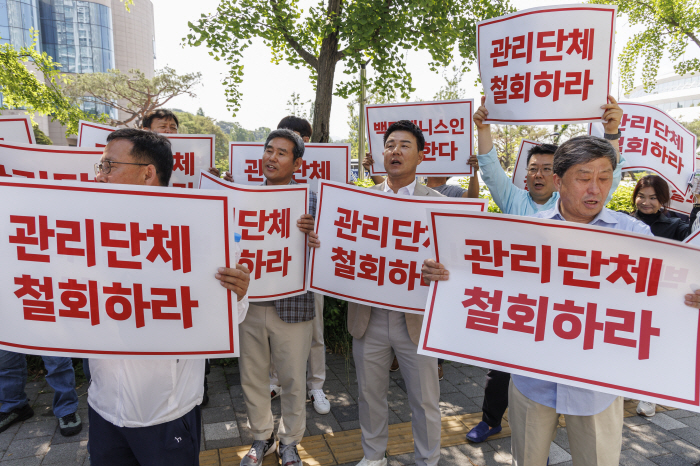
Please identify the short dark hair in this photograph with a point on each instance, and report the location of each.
(660, 187)
(582, 149)
(541, 149)
(149, 147)
(297, 124)
(160, 114)
(406, 125)
(289, 135)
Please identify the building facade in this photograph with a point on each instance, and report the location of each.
(84, 36)
(677, 95)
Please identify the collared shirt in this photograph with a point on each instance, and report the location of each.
(298, 308)
(516, 201)
(565, 398)
(405, 190)
(449, 190)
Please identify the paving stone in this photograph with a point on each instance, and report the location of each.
(666, 422)
(447, 387)
(470, 388)
(479, 380)
(339, 399)
(221, 430)
(393, 418)
(231, 369)
(654, 432)
(216, 375)
(44, 399)
(396, 392)
(680, 413)
(472, 371)
(323, 425)
(36, 429)
(501, 445)
(684, 449)
(689, 434)
(643, 444)
(66, 454)
(460, 403)
(233, 379)
(236, 391)
(634, 458)
(220, 414)
(346, 413)
(453, 456)
(401, 383)
(401, 409)
(217, 388)
(558, 455)
(693, 422)
(635, 420)
(670, 460)
(29, 461)
(38, 446)
(225, 443)
(220, 399)
(562, 438)
(350, 425)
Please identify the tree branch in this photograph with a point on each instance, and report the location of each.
(307, 56)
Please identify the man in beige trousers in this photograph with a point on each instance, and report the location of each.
(379, 334)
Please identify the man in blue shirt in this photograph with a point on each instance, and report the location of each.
(583, 175)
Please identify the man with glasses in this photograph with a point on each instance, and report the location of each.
(147, 411)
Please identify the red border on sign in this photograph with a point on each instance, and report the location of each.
(83, 124)
(520, 152)
(25, 120)
(297, 187)
(549, 10)
(63, 150)
(380, 194)
(419, 104)
(117, 190)
(311, 145)
(563, 226)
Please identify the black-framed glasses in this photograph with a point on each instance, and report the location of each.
(106, 166)
(546, 171)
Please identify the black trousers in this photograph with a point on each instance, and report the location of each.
(495, 397)
(174, 443)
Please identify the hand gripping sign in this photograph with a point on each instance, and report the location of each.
(48, 162)
(320, 162)
(273, 248)
(373, 245)
(130, 270)
(652, 140)
(191, 152)
(447, 128)
(590, 307)
(547, 64)
(519, 177)
(16, 128)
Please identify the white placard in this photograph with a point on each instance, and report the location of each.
(48, 162)
(447, 128)
(547, 65)
(130, 269)
(191, 152)
(590, 307)
(373, 245)
(273, 248)
(320, 162)
(16, 128)
(519, 177)
(652, 140)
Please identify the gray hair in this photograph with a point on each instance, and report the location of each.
(580, 150)
(291, 136)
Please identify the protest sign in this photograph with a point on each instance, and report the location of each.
(320, 162)
(191, 152)
(447, 129)
(653, 141)
(519, 177)
(548, 64)
(591, 307)
(16, 128)
(48, 162)
(273, 248)
(373, 245)
(129, 269)
(693, 239)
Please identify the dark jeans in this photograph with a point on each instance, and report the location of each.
(174, 443)
(495, 397)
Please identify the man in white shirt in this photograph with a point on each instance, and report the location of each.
(145, 412)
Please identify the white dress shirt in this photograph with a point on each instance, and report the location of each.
(406, 190)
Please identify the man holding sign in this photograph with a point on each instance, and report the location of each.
(583, 175)
(129, 421)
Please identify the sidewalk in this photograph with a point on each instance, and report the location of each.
(672, 437)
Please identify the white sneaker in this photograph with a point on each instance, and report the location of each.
(366, 462)
(321, 403)
(647, 409)
(275, 391)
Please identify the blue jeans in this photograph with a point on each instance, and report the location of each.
(13, 378)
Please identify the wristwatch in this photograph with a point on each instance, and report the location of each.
(612, 137)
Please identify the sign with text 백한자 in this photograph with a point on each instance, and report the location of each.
(129, 269)
(373, 245)
(273, 248)
(519, 177)
(447, 129)
(652, 140)
(191, 152)
(591, 307)
(329, 162)
(48, 162)
(16, 128)
(547, 65)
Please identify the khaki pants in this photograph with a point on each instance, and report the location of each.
(263, 334)
(387, 335)
(316, 368)
(594, 440)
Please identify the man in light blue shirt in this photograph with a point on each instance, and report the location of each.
(540, 194)
(583, 175)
